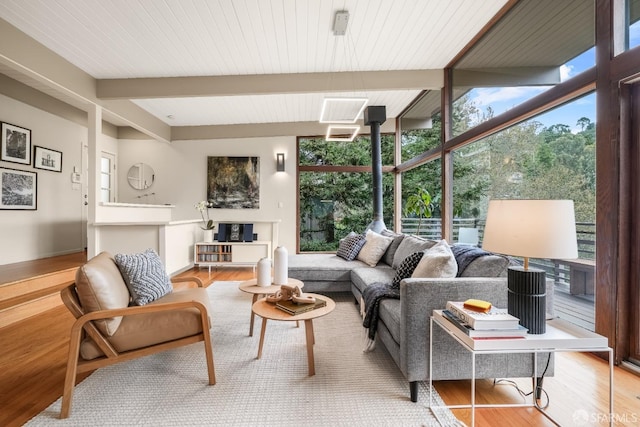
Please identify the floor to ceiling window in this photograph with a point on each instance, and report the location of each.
(335, 190)
(551, 156)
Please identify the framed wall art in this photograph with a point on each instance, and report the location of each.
(19, 189)
(46, 158)
(15, 144)
(233, 182)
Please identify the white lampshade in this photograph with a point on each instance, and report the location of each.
(531, 228)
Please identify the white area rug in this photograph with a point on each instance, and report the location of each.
(350, 388)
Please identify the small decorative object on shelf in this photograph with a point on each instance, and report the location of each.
(264, 272)
(203, 207)
(281, 266)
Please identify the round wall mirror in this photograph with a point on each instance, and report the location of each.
(140, 176)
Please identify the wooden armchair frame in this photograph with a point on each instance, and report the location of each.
(84, 325)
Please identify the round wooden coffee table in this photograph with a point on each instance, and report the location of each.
(251, 287)
(268, 311)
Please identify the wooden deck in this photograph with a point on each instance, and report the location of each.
(577, 309)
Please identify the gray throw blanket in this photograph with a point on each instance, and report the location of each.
(465, 255)
(372, 296)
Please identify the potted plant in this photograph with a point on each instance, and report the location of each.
(419, 205)
(203, 207)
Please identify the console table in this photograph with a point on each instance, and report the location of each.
(560, 336)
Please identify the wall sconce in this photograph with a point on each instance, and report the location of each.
(280, 162)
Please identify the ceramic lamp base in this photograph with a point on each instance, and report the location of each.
(527, 297)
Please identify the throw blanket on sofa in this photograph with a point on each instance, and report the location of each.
(372, 296)
(465, 255)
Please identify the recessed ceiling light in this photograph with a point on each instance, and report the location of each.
(342, 110)
(341, 133)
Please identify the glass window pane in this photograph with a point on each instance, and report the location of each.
(318, 152)
(420, 126)
(104, 196)
(105, 180)
(334, 204)
(534, 47)
(420, 215)
(633, 30)
(551, 156)
(105, 165)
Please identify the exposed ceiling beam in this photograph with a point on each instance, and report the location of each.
(506, 76)
(63, 80)
(177, 87)
(179, 133)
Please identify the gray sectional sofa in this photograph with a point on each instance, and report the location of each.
(403, 325)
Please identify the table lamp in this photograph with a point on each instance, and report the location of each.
(530, 229)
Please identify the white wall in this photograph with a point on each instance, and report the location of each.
(55, 228)
(181, 174)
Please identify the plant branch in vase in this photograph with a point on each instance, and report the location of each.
(203, 208)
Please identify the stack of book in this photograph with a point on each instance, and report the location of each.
(495, 323)
(294, 308)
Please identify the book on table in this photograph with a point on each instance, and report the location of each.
(294, 308)
(496, 318)
(518, 332)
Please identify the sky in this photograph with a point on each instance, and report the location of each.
(503, 99)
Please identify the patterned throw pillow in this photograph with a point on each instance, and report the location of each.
(350, 246)
(144, 275)
(406, 268)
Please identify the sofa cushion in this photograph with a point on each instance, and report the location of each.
(487, 266)
(437, 262)
(321, 267)
(387, 258)
(147, 329)
(364, 276)
(390, 315)
(374, 248)
(409, 245)
(100, 286)
(350, 246)
(406, 268)
(144, 275)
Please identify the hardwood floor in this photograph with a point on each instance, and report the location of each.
(34, 353)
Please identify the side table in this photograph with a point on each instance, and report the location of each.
(560, 336)
(268, 310)
(251, 287)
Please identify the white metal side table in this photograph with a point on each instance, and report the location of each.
(560, 336)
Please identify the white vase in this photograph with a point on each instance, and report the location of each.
(264, 272)
(280, 266)
(207, 236)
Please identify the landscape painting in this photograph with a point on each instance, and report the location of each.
(19, 189)
(233, 182)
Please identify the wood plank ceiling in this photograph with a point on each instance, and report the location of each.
(135, 39)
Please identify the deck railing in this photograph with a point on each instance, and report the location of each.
(560, 270)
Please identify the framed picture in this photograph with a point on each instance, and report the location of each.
(19, 189)
(16, 144)
(46, 158)
(233, 182)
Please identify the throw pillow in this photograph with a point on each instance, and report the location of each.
(406, 268)
(437, 261)
(350, 246)
(100, 286)
(393, 247)
(144, 275)
(375, 246)
(409, 245)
